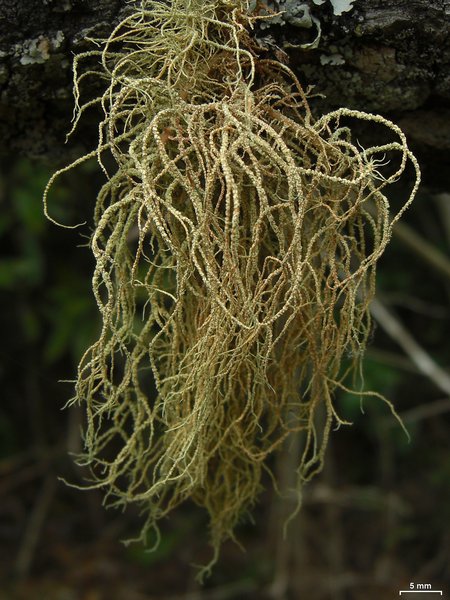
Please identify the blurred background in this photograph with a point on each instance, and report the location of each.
(374, 521)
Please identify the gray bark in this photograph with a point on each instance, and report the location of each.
(391, 57)
(38, 39)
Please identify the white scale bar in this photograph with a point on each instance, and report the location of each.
(420, 592)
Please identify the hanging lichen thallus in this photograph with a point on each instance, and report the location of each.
(249, 285)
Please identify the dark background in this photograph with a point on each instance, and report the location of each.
(378, 517)
(375, 520)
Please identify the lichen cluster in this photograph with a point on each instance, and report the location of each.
(235, 246)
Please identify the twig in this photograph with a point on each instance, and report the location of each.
(226, 592)
(284, 518)
(422, 248)
(391, 359)
(426, 411)
(416, 353)
(423, 307)
(334, 546)
(364, 498)
(34, 527)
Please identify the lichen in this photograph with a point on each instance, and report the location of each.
(236, 245)
(332, 59)
(295, 14)
(339, 6)
(38, 50)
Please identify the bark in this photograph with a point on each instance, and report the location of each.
(389, 57)
(38, 39)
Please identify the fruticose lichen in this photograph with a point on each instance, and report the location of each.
(236, 245)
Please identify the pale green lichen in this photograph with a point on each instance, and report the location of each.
(38, 50)
(236, 245)
(297, 14)
(339, 6)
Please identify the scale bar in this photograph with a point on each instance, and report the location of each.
(420, 592)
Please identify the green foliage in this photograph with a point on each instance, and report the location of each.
(25, 267)
(53, 295)
(71, 317)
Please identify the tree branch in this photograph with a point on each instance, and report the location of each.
(416, 353)
(383, 57)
